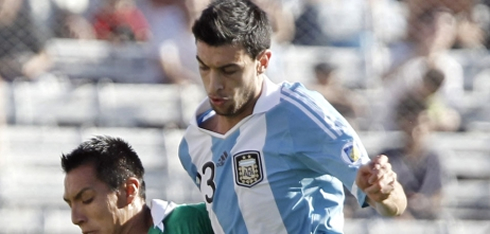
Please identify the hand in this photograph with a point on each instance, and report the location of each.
(377, 179)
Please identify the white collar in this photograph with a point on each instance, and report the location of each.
(160, 209)
(269, 97)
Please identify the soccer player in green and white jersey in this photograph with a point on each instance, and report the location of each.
(105, 190)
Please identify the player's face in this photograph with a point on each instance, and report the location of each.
(230, 77)
(93, 204)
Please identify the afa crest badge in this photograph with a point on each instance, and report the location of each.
(248, 168)
(350, 153)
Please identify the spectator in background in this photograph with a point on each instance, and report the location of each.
(281, 19)
(171, 46)
(22, 52)
(415, 162)
(427, 47)
(441, 116)
(417, 165)
(120, 20)
(72, 25)
(388, 20)
(308, 30)
(318, 23)
(347, 102)
(468, 32)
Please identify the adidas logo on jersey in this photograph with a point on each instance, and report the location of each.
(222, 159)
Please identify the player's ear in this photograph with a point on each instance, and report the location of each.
(263, 61)
(129, 191)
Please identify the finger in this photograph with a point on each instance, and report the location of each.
(363, 175)
(365, 169)
(394, 178)
(378, 162)
(380, 159)
(383, 180)
(376, 195)
(379, 170)
(380, 188)
(373, 189)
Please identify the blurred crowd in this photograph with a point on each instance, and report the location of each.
(409, 29)
(406, 31)
(407, 43)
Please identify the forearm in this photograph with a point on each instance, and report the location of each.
(394, 205)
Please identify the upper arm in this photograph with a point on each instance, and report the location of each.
(323, 140)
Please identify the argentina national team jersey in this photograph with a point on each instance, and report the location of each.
(279, 170)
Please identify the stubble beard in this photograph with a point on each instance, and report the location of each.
(237, 107)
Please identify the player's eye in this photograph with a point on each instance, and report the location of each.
(229, 71)
(87, 201)
(203, 68)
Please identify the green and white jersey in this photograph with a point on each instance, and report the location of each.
(171, 218)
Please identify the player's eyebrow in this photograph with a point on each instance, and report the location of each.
(200, 61)
(77, 196)
(222, 67)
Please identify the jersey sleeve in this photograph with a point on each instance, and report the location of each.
(324, 141)
(189, 218)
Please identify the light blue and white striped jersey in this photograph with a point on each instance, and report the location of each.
(279, 170)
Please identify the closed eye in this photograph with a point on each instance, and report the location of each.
(229, 71)
(88, 201)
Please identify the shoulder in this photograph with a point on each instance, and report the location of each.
(433, 156)
(186, 209)
(302, 99)
(188, 218)
(310, 116)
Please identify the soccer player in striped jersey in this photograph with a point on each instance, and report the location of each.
(105, 190)
(272, 158)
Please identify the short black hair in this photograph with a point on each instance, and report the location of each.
(234, 22)
(434, 78)
(114, 161)
(324, 68)
(410, 107)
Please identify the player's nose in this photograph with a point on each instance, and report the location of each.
(77, 216)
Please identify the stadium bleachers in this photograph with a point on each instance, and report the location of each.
(96, 59)
(298, 63)
(31, 179)
(48, 117)
(60, 102)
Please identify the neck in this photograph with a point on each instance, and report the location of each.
(222, 123)
(140, 222)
